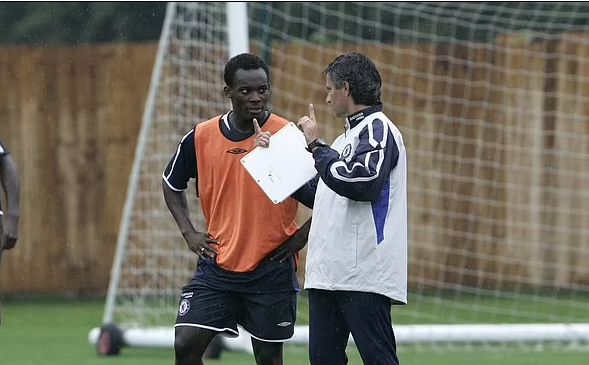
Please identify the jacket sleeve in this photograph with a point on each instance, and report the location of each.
(363, 177)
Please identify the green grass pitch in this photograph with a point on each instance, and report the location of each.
(46, 332)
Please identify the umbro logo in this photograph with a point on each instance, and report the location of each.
(284, 324)
(237, 151)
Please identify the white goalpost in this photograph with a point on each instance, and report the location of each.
(492, 100)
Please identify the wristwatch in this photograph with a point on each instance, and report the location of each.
(319, 142)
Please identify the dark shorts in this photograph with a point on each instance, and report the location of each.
(266, 317)
(262, 302)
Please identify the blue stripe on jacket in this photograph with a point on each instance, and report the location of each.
(380, 208)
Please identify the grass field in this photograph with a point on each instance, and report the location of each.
(55, 333)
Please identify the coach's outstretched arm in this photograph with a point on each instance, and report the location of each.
(198, 242)
(363, 176)
(11, 186)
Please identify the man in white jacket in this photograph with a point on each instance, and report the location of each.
(356, 265)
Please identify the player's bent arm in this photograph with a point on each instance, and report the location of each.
(303, 232)
(178, 206)
(306, 193)
(294, 244)
(11, 186)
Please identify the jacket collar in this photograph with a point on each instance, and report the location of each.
(353, 120)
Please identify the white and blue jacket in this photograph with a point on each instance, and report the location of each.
(358, 237)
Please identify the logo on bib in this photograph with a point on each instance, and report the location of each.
(237, 151)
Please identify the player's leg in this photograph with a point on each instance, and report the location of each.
(369, 318)
(328, 331)
(202, 314)
(268, 353)
(190, 344)
(270, 320)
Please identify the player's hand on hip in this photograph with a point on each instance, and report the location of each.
(262, 138)
(293, 245)
(308, 124)
(202, 245)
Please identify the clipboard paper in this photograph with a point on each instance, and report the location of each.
(284, 166)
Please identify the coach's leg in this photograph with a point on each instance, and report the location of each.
(328, 331)
(369, 318)
(190, 344)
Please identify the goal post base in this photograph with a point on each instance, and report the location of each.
(163, 337)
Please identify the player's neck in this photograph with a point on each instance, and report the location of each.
(241, 125)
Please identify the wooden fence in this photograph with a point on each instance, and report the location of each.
(497, 138)
(70, 117)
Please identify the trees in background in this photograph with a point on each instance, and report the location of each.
(79, 22)
(319, 22)
(411, 22)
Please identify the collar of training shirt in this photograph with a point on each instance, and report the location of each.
(353, 119)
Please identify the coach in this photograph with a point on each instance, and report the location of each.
(356, 266)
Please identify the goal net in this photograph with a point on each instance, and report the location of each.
(493, 101)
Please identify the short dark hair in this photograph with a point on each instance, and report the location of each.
(360, 73)
(244, 61)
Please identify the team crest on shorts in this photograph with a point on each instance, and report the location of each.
(347, 150)
(184, 307)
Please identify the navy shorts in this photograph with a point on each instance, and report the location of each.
(262, 302)
(266, 317)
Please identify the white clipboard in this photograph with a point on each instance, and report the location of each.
(284, 166)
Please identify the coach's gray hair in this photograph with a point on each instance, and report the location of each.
(360, 73)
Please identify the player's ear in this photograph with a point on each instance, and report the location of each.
(227, 91)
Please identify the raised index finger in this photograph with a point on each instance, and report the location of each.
(312, 112)
(257, 128)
